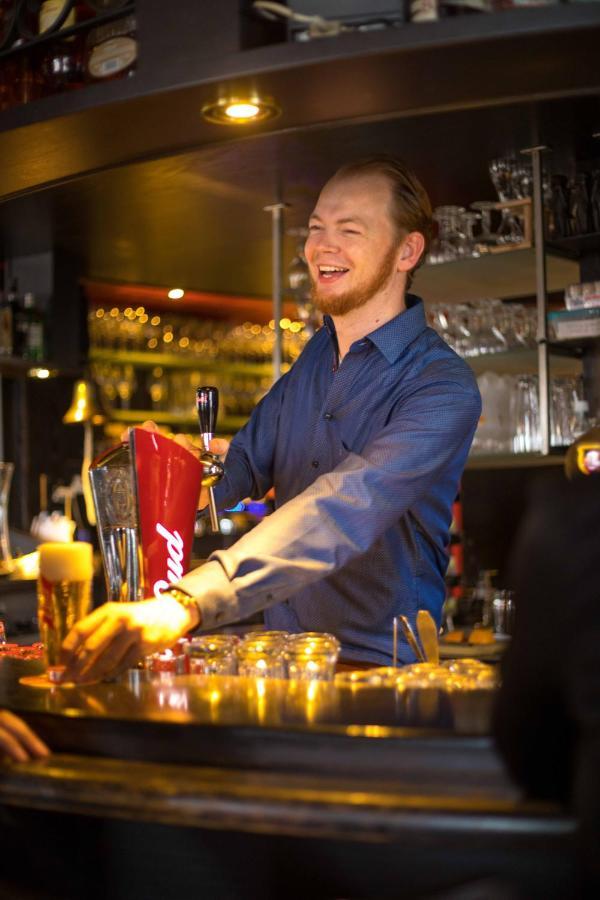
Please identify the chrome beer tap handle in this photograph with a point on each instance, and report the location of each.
(207, 406)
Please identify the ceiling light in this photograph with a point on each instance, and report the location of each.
(175, 294)
(240, 110)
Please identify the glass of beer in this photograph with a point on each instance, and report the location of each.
(64, 593)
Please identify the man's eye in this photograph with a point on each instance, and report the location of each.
(314, 227)
(350, 231)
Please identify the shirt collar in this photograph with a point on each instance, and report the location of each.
(394, 337)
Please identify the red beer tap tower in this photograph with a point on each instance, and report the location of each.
(146, 494)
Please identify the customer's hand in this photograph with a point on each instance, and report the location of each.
(116, 635)
(17, 740)
(218, 446)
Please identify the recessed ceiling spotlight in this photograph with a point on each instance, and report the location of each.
(175, 294)
(240, 110)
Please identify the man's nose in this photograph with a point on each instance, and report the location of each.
(324, 241)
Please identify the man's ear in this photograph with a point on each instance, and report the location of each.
(411, 250)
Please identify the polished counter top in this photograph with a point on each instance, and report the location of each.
(361, 767)
(217, 719)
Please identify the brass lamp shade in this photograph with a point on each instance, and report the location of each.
(83, 405)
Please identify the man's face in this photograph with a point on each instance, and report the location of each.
(352, 245)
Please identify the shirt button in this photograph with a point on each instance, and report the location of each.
(328, 416)
(315, 463)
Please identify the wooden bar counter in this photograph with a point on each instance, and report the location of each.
(232, 787)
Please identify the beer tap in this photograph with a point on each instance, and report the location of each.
(207, 405)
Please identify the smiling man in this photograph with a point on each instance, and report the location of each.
(364, 440)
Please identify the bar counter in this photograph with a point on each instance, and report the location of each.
(314, 790)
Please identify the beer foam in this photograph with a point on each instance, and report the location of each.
(66, 562)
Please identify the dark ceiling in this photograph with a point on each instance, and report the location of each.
(196, 220)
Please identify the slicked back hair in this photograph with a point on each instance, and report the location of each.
(410, 208)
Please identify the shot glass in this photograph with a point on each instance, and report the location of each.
(212, 654)
(262, 655)
(311, 656)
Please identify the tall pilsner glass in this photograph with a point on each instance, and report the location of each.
(64, 592)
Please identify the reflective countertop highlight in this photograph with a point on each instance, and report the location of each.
(366, 711)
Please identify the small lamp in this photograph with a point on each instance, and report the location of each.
(83, 409)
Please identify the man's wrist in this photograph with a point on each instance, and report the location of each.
(189, 603)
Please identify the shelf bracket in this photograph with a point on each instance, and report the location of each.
(277, 210)
(541, 294)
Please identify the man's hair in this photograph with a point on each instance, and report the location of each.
(411, 207)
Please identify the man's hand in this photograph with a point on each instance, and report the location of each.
(116, 635)
(218, 446)
(17, 740)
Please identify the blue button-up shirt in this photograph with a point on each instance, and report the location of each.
(366, 458)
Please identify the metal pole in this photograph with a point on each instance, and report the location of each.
(276, 210)
(541, 296)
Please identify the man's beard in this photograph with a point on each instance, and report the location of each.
(340, 304)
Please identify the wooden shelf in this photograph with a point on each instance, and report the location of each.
(505, 275)
(16, 367)
(226, 424)
(143, 360)
(524, 362)
(574, 247)
(513, 460)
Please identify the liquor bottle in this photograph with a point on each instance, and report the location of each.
(30, 328)
(61, 65)
(112, 50)
(6, 332)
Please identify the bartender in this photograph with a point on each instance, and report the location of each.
(364, 440)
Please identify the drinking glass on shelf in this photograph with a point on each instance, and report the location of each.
(510, 182)
(468, 223)
(484, 209)
(525, 415)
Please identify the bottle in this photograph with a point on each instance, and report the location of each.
(31, 329)
(112, 50)
(6, 327)
(61, 65)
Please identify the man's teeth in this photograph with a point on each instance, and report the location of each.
(326, 269)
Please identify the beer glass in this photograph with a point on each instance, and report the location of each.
(64, 592)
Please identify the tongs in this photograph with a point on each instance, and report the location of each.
(410, 638)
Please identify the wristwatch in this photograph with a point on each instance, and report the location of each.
(184, 599)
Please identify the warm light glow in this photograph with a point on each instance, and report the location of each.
(175, 294)
(242, 110)
(39, 373)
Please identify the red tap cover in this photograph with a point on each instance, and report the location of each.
(168, 480)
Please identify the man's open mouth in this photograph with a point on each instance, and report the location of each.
(331, 273)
